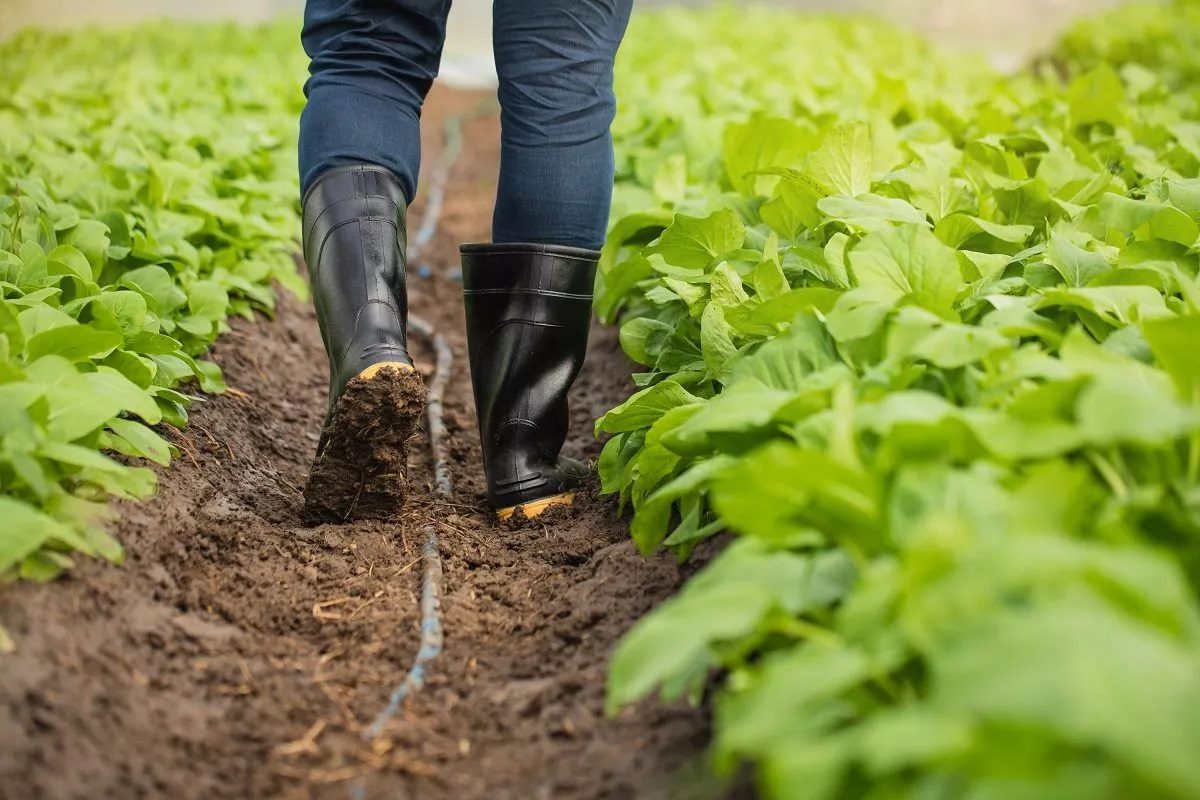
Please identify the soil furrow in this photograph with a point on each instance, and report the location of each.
(239, 653)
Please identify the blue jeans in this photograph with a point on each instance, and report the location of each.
(373, 62)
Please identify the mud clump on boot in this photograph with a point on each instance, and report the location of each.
(362, 470)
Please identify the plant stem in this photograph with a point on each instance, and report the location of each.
(1110, 474)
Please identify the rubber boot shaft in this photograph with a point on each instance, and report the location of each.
(354, 245)
(528, 311)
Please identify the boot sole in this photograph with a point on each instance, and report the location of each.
(362, 473)
(535, 507)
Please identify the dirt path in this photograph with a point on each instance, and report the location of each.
(238, 653)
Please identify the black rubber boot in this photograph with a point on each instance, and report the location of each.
(528, 311)
(354, 243)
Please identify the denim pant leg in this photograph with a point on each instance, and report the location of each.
(555, 63)
(373, 62)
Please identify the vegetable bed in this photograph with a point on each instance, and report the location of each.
(919, 365)
(927, 339)
(142, 202)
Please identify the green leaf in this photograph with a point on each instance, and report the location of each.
(644, 408)
(1113, 410)
(696, 242)
(1081, 658)
(209, 376)
(765, 318)
(725, 287)
(148, 343)
(1151, 220)
(39, 319)
(726, 600)
(716, 342)
(25, 530)
(670, 180)
(73, 410)
(79, 457)
(789, 684)
(793, 208)
(869, 211)
(911, 262)
(1076, 265)
(66, 260)
(90, 237)
(787, 361)
(768, 279)
(143, 440)
(959, 230)
(858, 313)
(639, 229)
(842, 164)
(109, 385)
(954, 346)
(913, 737)
(128, 307)
(1119, 305)
(208, 299)
(73, 342)
(10, 326)
(744, 407)
(781, 487)
(1174, 342)
(758, 144)
(1097, 96)
(613, 288)
(643, 338)
(814, 770)
(157, 286)
(673, 641)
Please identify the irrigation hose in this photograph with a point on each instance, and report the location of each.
(431, 582)
(431, 585)
(435, 408)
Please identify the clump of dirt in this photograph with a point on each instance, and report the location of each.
(241, 653)
(361, 470)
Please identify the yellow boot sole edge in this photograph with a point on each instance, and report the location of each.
(535, 507)
(373, 370)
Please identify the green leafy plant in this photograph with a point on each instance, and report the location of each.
(924, 337)
(146, 194)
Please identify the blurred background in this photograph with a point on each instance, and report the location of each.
(1008, 31)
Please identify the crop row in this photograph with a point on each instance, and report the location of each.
(146, 194)
(924, 338)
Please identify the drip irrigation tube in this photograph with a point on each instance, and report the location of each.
(431, 588)
(431, 583)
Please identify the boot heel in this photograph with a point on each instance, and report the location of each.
(536, 507)
(373, 370)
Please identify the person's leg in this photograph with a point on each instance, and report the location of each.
(373, 62)
(555, 63)
(528, 292)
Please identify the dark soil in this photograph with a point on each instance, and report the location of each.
(361, 470)
(239, 652)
